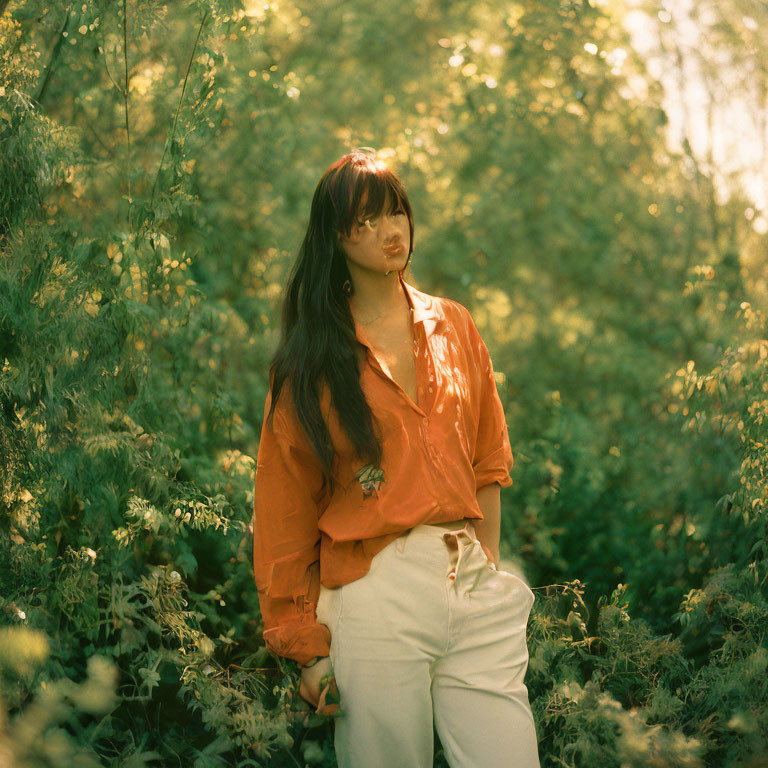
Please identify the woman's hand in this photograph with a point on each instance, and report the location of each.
(318, 687)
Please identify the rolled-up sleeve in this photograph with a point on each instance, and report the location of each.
(286, 543)
(492, 458)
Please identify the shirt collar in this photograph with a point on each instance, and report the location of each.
(423, 305)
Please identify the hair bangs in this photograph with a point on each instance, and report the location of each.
(369, 187)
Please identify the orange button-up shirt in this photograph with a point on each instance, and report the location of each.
(437, 453)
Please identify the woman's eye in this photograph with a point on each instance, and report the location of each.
(374, 220)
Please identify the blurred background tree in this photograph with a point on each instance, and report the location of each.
(156, 166)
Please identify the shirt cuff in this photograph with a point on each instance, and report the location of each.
(299, 643)
(493, 468)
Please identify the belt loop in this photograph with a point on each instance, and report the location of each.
(454, 540)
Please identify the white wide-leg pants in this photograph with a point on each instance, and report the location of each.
(433, 636)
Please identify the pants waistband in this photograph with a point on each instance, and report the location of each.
(457, 535)
(439, 529)
(452, 528)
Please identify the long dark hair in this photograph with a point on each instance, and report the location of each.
(318, 341)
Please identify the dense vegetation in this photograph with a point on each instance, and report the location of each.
(156, 167)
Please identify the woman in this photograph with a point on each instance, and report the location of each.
(377, 499)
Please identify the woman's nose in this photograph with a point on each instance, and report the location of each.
(391, 229)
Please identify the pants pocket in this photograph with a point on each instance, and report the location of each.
(523, 588)
(518, 585)
(328, 609)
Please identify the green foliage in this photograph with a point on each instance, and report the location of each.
(145, 232)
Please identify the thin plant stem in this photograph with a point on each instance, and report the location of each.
(127, 122)
(172, 133)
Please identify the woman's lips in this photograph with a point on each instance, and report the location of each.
(394, 250)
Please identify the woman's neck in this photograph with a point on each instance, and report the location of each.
(377, 296)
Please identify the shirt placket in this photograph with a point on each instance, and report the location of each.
(424, 372)
(426, 388)
(423, 390)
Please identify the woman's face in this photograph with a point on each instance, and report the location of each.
(378, 244)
